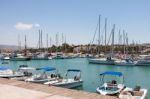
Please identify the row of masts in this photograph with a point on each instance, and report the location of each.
(123, 37)
(40, 41)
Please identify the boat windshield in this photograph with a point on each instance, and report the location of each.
(73, 73)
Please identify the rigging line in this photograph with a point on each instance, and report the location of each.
(110, 37)
(102, 35)
(95, 33)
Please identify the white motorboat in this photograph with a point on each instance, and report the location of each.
(5, 72)
(68, 82)
(5, 58)
(43, 77)
(20, 58)
(110, 88)
(40, 56)
(124, 62)
(143, 61)
(27, 71)
(103, 61)
(136, 93)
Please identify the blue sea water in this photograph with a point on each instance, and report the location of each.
(133, 75)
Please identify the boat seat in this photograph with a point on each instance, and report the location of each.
(53, 75)
(138, 93)
(76, 78)
(114, 82)
(111, 85)
(27, 74)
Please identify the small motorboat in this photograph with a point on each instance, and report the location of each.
(44, 76)
(136, 93)
(68, 82)
(110, 88)
(26, 70)
(5, 58)
(6, 72)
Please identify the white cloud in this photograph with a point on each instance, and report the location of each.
(23, 26)
(36, 25)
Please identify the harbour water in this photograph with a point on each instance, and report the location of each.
(133, 75)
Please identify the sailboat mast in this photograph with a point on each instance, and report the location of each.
(39, 40)
(127, 39)
(19, 43)
(105, 33)
(124, 41)
(113, 33)
(47, 41)
(99, 34)
(25, 46)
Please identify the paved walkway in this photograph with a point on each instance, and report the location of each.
(12, 89)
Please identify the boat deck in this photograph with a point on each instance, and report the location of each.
(62, 93)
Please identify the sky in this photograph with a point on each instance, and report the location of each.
(75, 19)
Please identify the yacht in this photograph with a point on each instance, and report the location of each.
(144, 61)
(125, 62)
(40, 56)
(5, 58)
(19, 57)
(103, 61)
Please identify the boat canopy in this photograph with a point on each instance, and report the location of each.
(4, 68)
(112, 73)
(47, 68)
(74, 70)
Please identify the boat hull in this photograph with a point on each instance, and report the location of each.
(70, 85)
(113, 90)
(126, 94)
(103, 62)
(20, 59)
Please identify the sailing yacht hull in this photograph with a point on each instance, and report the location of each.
(103, 62)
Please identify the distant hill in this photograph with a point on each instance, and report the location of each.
(8, 47)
